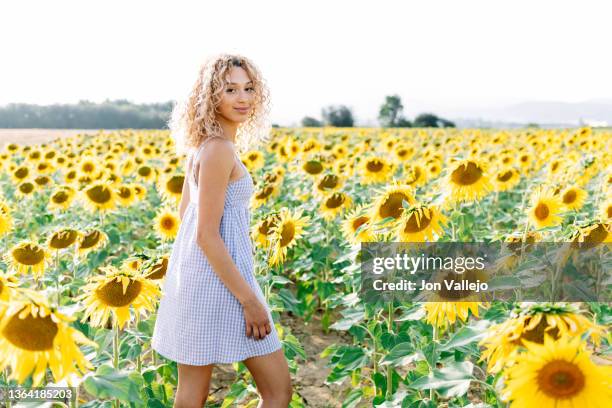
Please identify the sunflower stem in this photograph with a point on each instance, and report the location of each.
(57, 278)
(116, 402)
(435, 335)
(390, 366)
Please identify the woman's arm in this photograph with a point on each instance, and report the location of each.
(185, 194)
(213, 177)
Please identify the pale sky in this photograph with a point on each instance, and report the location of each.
(437, 55)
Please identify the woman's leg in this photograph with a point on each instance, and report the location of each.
(193, 385)
(271, 375)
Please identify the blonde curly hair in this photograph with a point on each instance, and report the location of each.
(194, 119)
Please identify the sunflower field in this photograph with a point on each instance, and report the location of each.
(87, 224)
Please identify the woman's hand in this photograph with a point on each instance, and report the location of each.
(256, 317)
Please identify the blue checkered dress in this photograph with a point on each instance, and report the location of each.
(199, 321)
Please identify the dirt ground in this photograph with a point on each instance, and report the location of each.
(33, 136)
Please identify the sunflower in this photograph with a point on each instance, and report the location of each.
(34, 336)
(558, 374)
(167, 224)
(171, 187)
(20, 174)
(126, 196)
(605, 209)
(25, 189)
(334, 204)
(592, 234)
(158, 268)
(100, 196)
(327, 183)
(132, 263)
(390, 202)
(8, 285)
(62, 238)
(439, 314)
(262, 231)
(375, 170)
(468, 180)
(506, 179)
(27, 255)
(253, 159)
(573, 197)
(61, 198)
(264, 194)
(285, 233)
(139, 190)
(357, 227)
(415, 175)
(531, 322)
(545, 208)
(419, 224)
(87, 165)
(6, 219)
(146, 173)
(313, 167)
(91, 240)
(114, 293)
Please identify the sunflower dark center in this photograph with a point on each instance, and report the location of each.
(63, 239)
(253, 156)
(175, 184)
(265, 192)
(467, 174)
(569, 197)
(158, 271)
(31, 333)
(144, 171)
(392, 207)
(90, 239)
(21, 172)
(313, 167)
(560, 379)
(335, 201)
(359, 221)
(536, 335)
(99, 194)
(503, 177)
(542, 211)
(266, 226)
(112, 293)
(413, 226)
(60, 197)
(167, 223)
(88, 167)
(374, 165)
(26, 188)
(29, 254)
(125, 192)
(287, 234)
(329, 181)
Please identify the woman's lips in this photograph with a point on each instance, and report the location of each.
(242, 110)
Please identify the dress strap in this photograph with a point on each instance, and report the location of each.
(197, 152)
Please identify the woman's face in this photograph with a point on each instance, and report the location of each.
(238, 96)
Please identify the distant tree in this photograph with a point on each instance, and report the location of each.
(309, 121)
(339, 116)
(390, 113)
(275, 125)
(431, 120)
(403, 122)
(532, 125)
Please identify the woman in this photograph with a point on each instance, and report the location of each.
(212, 310)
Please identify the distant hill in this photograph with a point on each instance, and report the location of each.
(597, 112)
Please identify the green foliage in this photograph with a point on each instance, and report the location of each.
(117, 114)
